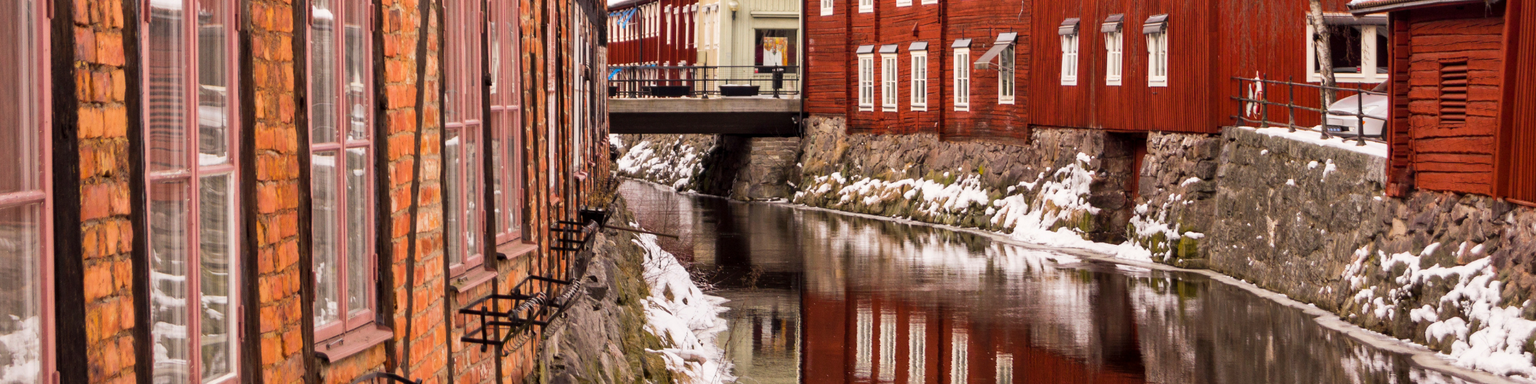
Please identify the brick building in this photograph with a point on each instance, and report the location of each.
(316, 187)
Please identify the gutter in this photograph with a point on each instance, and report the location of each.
(1402, 5)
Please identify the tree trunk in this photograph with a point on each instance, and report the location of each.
(1320, 39)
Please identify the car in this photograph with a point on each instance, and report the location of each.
(1344, 115)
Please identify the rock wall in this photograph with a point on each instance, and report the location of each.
(602, 339)
(743, 168)
(1177, 191)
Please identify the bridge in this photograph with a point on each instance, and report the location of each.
(721, 100)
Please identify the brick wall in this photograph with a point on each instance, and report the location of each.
(280, 308)
(105, 179)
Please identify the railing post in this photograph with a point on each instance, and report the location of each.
(1290, 106)
(778, 80)
(1359, 115)
(1263, 104)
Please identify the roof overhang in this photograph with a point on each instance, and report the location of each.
(1004, 40)
(1375, 6)
(1113, 23)
(1155, 24)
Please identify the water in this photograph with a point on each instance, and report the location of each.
(820, 297)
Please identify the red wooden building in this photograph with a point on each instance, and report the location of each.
(1463, 113)
(653, 32)
(993, 69)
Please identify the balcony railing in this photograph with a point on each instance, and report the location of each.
(1347, 117)
(703, 81)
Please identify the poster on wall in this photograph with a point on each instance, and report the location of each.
(775, 48)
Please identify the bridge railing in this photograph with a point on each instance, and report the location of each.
(703, 81)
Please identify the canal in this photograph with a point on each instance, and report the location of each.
(821, 297)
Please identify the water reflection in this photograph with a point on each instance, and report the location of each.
(818, 297)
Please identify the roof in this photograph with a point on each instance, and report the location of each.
(1361, 7)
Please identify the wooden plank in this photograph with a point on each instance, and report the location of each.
(1479, 183)
(1459, 144)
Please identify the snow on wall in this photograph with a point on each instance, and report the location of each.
(675, 166)
(682, 316)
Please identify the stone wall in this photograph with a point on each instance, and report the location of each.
(744, 168)
(1176, 197)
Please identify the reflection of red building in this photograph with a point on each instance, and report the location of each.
(869, 338)
(652, 32)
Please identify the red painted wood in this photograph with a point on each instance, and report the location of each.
(1517, 154)
(1451, 155)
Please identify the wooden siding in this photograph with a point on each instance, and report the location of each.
(1399, 134)
(827, 56)
(1518, 129)
(982, 21)
(1457, 157)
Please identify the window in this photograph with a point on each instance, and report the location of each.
(887, 346)
(775, 48)
(341, 165)
(506, 121)
(826, 7)
(864, 339)
(959, 359)
(25, 207)
(1005, 76)
(866, 6)
(1114, 49)
(1004, 368)
(866, 79)
(962, 75)
(1068, 33)
(926, 2)
(919, 76)
(917, 348)
(463, 202)
(1156, 30)
(190, 159)
(1358, 47)
(903, 3)
(888, 72)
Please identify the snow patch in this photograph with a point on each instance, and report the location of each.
(683, 317)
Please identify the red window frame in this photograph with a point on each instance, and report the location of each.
(189, 113)
(506, 122)
(464, 225)
(341, 13)
(36, 94)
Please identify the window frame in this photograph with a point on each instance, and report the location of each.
(866, 6)
(1157, 59)
(1007, 76)
(465, 121)
(1370, 69)
(1114, 62)
(192, 173)
(507, 128)
(40, 72)
(927, 2)
(342, 145)
(962, 79)
(828, 7)
(866, 82)
(903, 3)
(919, 97)
(1069, 53)
(889, 70)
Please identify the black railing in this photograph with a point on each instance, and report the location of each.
(703, 81)
(1254, 102)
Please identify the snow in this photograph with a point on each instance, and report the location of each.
(677, 164)
(24, 347)
(1191, 180)
(1370, 148)
(1484, 333)
(681, 315)
(615, 140)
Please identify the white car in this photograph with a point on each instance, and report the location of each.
(1343, 114)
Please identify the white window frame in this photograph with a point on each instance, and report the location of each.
(1007, 76)
(1157, 59)
(889, 69)
(1369, 73)
(926, 2)
(827, 7)
(1069, 45)
(866, 6)
(1114, 57)
(866, 82)
(962, 79)
(919, 75)
(903, 3)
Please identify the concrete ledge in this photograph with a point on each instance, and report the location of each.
(692, 105)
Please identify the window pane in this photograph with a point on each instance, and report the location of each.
(357, 64)
(322, 72)
(21, 251)
(165, 117)
(324, 202)
(358, 232)
(213, 83)
(216, 234)
(452, 207)
(473, 184)
(169, 204)
(18, 101)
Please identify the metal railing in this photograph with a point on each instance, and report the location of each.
(1253, 99)
(703, 81)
